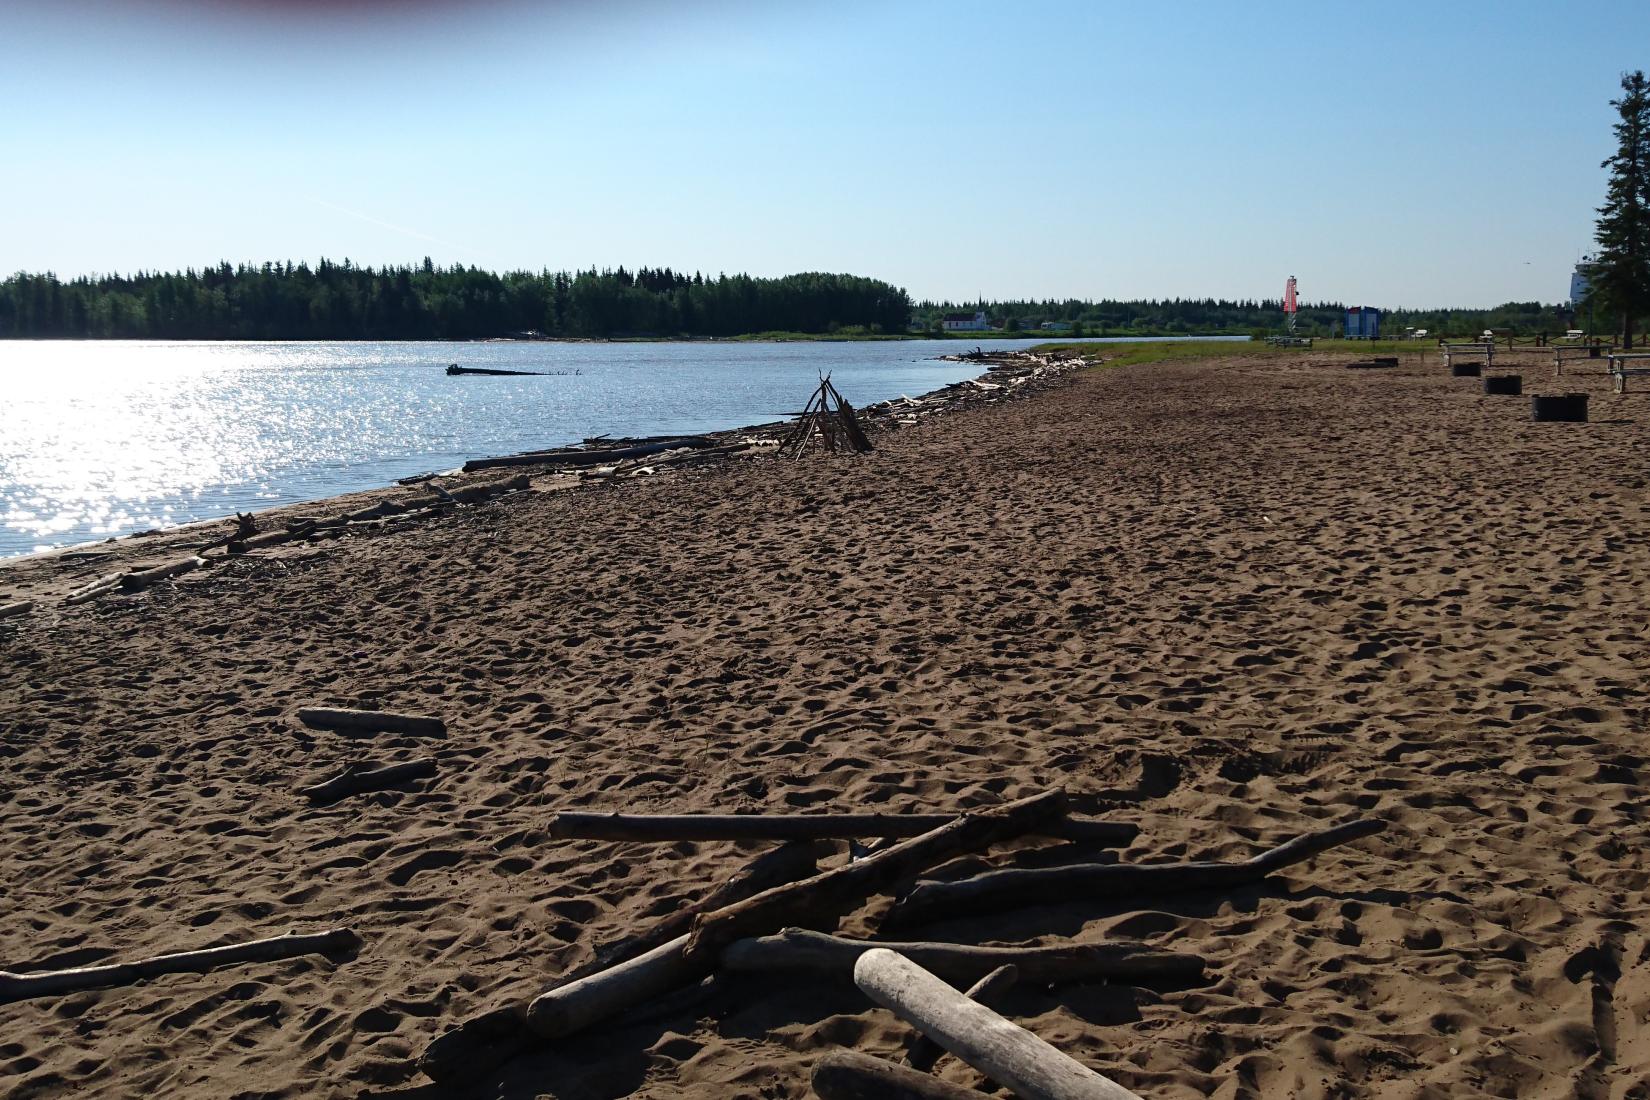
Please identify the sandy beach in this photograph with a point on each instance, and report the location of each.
(1227, 600)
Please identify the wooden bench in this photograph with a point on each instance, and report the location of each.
(1625, 365)
(1475, 348)
(1573, 352)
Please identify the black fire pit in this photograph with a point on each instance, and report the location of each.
(1571, 407)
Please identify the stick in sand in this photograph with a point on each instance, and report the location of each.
(998, 1048)
(21, 607)
(373, 721)
(999, 890)
(338, 942)
(850, 1075)
(357, 779)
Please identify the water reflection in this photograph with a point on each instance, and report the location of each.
(106, 438)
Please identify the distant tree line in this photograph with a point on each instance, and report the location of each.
(340, 301)
(1219, 317)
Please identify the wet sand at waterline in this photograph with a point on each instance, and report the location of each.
(1227, 601)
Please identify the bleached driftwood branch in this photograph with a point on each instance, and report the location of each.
(924, 1052)
(17, 987)
(998, 1048)
(357, 779)
(1012, 889)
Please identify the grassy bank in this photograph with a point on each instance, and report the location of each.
(1146, 351)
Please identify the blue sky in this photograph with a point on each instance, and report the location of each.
(1400, 154)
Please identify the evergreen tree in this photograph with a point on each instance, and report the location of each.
(1621, 276)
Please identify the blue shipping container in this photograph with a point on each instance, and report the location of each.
(1363, 323)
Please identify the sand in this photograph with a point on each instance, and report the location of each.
(1228, 601)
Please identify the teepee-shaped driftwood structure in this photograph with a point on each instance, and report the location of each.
(829, 418)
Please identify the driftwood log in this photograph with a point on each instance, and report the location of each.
(999, 890)
(582, 457)
(569, 1009)
(850, 1075)
(412, 508)
(109, 582)
(823, 898)
(472, 494)
(372, 721)
(358, 779)
(800, 949)
(820, 899)
(143, 578)
(988, 991)
(494, 1037)
(998, 1048)
(21, 607)
(338, 943)
(673, 827)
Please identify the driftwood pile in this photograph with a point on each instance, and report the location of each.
(1009, 374)
(828, 420)
(778, 917)
(247, 537)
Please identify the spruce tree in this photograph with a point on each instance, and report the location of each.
(1621, 275)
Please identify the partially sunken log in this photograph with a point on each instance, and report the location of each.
(372, 721)
(1013, 889)
(338, 943)
(850, 1075)
(1003, 1051)
(674, 827)
(823, 898)
(494, 1037)
(924, 1052)
(800, 949)
(359, 779)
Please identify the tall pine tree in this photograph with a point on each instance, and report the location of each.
(1621, 276)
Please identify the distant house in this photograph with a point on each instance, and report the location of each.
(1055, 326)
(966, 322)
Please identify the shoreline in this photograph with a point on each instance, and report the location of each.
(84, 563)
(1222, 601)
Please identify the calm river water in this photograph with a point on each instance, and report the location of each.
(107, 438)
